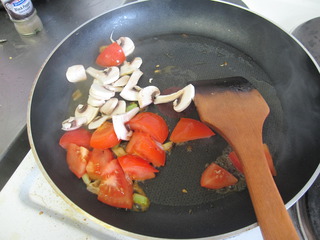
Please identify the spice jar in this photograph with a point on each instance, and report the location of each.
(23, 15)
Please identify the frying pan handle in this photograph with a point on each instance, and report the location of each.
(273, 218)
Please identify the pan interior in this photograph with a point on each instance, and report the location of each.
(169, 61)
(177, 60)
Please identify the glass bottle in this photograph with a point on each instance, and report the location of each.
(23, 15)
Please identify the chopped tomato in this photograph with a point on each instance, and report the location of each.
(136, 167)
(236, 162)
(116, 188)
(216, 177)
(189, 129)
(80, 136)
(142, 144)
(77, 158)
(98, 161)
(104, 137)
(150, 123)
(112, 55)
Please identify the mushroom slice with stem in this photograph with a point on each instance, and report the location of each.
(109, 106)
(146, 95)
(98, 121)
(129, 67)
(87, 111)
(167, 98)
(185, 99)
(181, 99)
(119, 123)
(128, 92)
(73, 123)
(107, 76)
(99, 92)
(126, 44)
(76, 73)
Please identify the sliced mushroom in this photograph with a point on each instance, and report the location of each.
(95, 102)
(120, 108)
(129, 95)
(119, 123)
(76, 73)
(87, 111)
(185, 99)
(121, 82)
(136, 87)
(109, 106)
(128, 92)
(107, 76)
(113, 89)
(146, 95)
(96, 81)
(167, 98)
(127, 45)
(98, 121)
(99, 92)
(73, 123)
(129, 67)
(134, 79)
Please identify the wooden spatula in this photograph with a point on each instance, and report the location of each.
(237, 111)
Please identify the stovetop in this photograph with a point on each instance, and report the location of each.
(30, 201)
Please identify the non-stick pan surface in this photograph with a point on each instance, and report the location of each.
(181, 41)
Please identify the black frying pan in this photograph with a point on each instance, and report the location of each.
(189, 40)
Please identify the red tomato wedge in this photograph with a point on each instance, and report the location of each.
(269, 160)
(112, 55)
(236, 162)
(189, 129)
(143, 145)
(116, 187)
(77, 158)
(104, 137)
(80, 136)
(216, 177)
(96, 166)
(137, 168)
(150, 123)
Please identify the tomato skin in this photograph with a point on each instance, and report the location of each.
(112, 55)
(80, 136)
(104, 137)
(216, 177)
(142, 145)
(237, 164)
(150, 123)
(96, 166)
(116, 187)
(188, 129)
(77, 158)
(137, 168)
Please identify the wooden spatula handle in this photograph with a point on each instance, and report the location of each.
(238, 114)
(273, 218)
